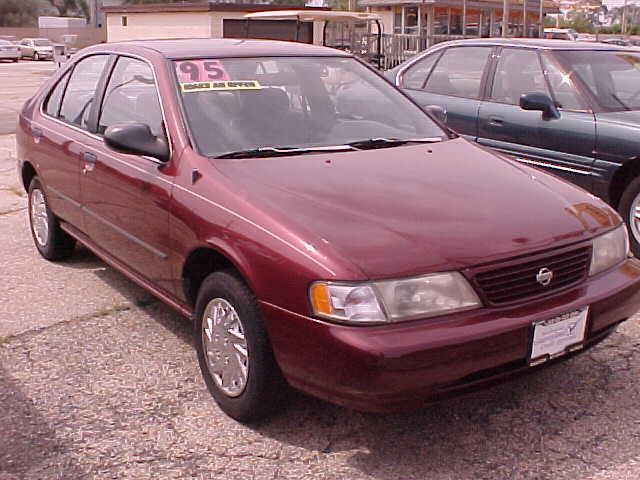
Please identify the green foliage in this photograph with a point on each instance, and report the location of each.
(18, 13)
(580, 24)
(611, 29)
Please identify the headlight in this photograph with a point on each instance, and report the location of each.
(393, 300)
(609, 250)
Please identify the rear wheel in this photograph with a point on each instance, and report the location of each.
(234, 352)
(629, 209)
(51, 241)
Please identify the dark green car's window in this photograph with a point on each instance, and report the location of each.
(459, 72)
(415, 77)
(562, 86)
(612, 76)
(518, 72)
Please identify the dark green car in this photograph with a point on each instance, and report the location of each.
(572, 108)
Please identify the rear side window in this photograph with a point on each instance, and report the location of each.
(52, 107)
(459, 72)
(415, 77)
(78, 97)
(518, 72)
(131, 96)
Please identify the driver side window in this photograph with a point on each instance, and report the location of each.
(131, 96)
(78, 97)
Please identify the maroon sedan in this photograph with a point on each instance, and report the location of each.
(319, 227)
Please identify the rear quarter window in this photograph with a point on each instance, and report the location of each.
(52, 104)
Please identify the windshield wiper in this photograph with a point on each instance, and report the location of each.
(283, 151)
(382, 142)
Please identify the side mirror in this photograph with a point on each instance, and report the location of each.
(541, 102)
(136, 139)
(438, 112)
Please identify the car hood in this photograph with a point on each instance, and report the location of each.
(417, 209)
(628, 119)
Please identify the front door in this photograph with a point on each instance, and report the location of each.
(127, 197)
(563, 146)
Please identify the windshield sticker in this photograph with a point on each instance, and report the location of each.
(191, 71)
(227, 85)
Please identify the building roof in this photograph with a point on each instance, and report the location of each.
(227, 47)
(201, 7)
(536, 43)
(311, 15)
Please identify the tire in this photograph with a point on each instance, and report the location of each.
(51, 241)
(264, 387)
(629, 200)
(36, 56)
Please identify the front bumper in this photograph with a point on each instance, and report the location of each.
(400, 366)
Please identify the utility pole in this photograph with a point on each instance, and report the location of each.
(623, 29)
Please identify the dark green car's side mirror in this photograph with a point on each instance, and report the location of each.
(541, 102)
(136, 139)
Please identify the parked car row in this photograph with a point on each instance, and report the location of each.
(570, 108)
(33, 48)
(320, 229)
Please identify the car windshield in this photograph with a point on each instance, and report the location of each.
(42, 43)
(241, 104)
(613, 77)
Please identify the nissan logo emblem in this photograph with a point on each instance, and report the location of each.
(544, 276)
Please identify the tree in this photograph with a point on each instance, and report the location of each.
(18, 13)
(68, 8)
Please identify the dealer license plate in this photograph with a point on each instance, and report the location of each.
(559, 335)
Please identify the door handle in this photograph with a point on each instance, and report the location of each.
(89, 162)
(89, 157)
(36, 133)
(496, 121)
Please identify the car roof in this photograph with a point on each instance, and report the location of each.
(537, 43)
(226, 47)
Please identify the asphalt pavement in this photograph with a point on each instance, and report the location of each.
(100, 380)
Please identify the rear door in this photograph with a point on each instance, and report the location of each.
(60, 135)
(453, 80)
(127, 197)
(564, 146)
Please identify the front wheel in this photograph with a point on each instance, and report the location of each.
(36, 56)
(629, 209)
(52, 242)
(234, 352)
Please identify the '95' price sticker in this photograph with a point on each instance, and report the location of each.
(200, 71)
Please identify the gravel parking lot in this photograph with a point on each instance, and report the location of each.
(99, 380)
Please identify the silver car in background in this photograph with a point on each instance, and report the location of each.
(9, 51)
(37, 48)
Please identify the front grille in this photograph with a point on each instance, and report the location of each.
(515, 280)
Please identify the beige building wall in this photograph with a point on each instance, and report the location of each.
(158, 25)
(386, 16)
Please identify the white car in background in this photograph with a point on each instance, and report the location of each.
(9, 51)
(37, 48)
